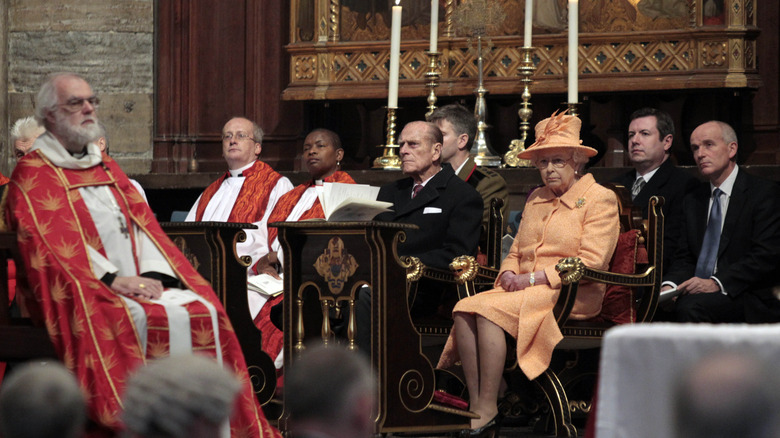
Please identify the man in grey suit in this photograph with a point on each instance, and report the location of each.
(650, 137)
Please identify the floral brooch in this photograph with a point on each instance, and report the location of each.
(580, 203)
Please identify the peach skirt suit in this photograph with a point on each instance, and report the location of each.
(583, 222)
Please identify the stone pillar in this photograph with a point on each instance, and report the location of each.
(5, 154)
(110, 43)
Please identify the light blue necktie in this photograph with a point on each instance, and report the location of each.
(709, 249)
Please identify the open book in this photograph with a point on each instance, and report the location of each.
(264, 284)
(351, 202)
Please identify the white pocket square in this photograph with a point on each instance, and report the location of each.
(431, 210)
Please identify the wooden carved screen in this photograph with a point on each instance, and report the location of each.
(339, 48)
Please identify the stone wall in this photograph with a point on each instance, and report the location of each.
(110, 43)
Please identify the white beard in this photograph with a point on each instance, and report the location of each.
(76, 138)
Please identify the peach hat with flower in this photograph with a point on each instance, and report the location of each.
(559, 131)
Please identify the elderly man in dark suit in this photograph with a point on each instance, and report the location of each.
(650, 137)
(447, 209)
(729, 254)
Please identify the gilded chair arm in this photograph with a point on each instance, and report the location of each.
(414, 268)
(570, 270)
(573, 271)
(464, 268)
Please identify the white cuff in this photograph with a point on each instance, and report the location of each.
(720, 285)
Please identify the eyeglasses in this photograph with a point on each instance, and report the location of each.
(75, 104)
(556, 162)
(239, 136)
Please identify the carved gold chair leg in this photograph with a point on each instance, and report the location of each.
(559, 404)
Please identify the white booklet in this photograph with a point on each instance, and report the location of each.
(351, 202)
(668, 294)
(264, 284)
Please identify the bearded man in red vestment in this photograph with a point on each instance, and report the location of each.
(112, 289)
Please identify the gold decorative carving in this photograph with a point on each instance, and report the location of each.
(414, 268)
(570, 269)
(322, 29)
(181, 243)
(750, 59)
(615, 46)
(749, 12)
(713, 53)
(618, 57)
(736, 52)
(579, 406)
(305, 68)
(334, 12)
(335, 265)
(465, 268)
(449, 8)
(411, 389)
(258, 378)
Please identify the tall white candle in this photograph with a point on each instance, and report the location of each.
(573, 53)
(395, 56)
(434, 25)
(529, 22)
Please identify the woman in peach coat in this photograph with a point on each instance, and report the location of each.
(571, 216)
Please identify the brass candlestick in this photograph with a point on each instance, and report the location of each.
(432, 76)
(389, 159)
(483, 153)
(476, 18)
(573, 108)
(526, 71)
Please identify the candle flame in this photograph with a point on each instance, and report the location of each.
(397, 2)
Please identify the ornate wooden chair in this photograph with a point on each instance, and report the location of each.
(20, 339)
(211, 248)
(421, 276)
(633, 280)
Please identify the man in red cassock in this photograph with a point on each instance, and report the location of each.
(112, 289)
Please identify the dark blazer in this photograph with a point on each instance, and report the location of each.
(673, 184)
(489, 185)
(749, 251)
(447, 210)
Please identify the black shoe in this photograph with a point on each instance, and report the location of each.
(489, 430)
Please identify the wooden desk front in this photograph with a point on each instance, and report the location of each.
(329, 262)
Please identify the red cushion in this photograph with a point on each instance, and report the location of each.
(619, 303)
(11, 281)
(441, 397)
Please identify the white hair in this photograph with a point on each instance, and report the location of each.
(579, 157)
(46, 99)
(168, 396)
(41, 401)
(26, 128)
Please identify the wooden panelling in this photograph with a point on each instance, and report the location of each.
(217, 60)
